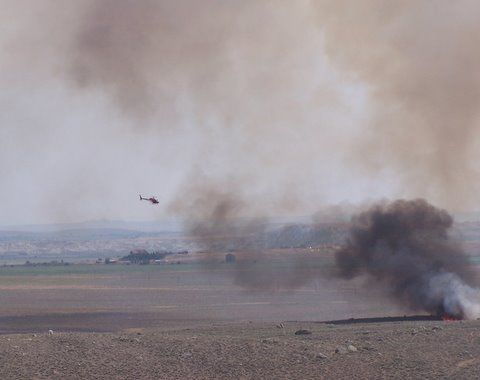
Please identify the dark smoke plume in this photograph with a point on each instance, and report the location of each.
(405, 246)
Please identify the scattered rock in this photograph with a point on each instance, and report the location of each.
(303, 332)
(345, 350)
(127, 339)
(435, 328)
(321, 356)
(270, 341)
(282, 327)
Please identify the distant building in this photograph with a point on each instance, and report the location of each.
(139, 252)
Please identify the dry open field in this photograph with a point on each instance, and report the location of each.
(190, 321)
(109, 297)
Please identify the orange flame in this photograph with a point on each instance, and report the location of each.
(449, 318)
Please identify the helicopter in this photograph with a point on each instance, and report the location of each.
(153, 200)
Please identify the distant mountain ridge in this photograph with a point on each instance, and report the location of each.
(86, 234)
(172, 225)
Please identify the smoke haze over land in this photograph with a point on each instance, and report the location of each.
(280, 107)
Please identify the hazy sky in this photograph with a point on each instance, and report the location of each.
(291, 104)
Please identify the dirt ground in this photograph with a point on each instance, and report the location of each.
(397, 350)
(186, 322)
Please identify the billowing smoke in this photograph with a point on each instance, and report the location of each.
(223, 78)
(236, 80)
(288, 98)
(419, 60)
(404, 246)
(213, 217)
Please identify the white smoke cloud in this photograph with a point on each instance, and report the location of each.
(458, 299)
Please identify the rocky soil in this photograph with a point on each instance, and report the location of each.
(397, 350)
